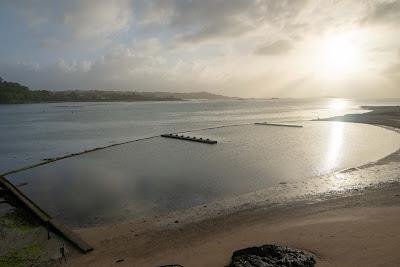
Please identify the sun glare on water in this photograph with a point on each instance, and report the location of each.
(338, 104)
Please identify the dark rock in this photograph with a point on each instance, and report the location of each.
(119, 261)
(271, 255)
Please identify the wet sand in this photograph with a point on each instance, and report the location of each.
(355, 228)
(378, 115)
(360, 230)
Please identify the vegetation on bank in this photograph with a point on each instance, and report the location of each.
(26, 256)
(23, 239)
(15, 93)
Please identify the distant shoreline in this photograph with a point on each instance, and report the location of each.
(378, 115)
(94, 101)
(15, 93)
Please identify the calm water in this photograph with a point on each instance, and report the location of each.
(161, 175)
(30, 133)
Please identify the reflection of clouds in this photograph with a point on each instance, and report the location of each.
(162, 193)
(157, 176)
(335, 144)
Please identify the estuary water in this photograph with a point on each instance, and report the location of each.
(161, 175)
(31, 133)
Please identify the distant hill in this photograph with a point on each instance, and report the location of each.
(15, 93)
(194, 95)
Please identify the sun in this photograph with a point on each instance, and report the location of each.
(337, 56)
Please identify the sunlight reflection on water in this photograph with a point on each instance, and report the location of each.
(159, 175)
(339, 104)
(335, 144)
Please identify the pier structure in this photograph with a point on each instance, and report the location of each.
(46, 219)
(190, 138)
(279, 124)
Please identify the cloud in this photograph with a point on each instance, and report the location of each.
(184, 45)
(384, 12)
(141, 66)
(392, 71)
(275, 48)
(97, 18)
(133, 67)
(199, 21)
(69, 23)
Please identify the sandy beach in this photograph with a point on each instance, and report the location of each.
(355, 228)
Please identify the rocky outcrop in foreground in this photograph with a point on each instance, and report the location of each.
(271, 255)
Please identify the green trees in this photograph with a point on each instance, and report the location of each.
(15, 93)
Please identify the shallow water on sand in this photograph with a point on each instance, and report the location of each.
(161, 175)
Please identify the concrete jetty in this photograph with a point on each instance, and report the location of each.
(45, 218)
(190, 138)
(278, 124)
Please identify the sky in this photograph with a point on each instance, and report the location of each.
(245, 48)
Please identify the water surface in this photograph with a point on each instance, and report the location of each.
(161, 175)
(31, 133)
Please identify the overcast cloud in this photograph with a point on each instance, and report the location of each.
(254, 48)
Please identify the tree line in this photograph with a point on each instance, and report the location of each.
(15, 93)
